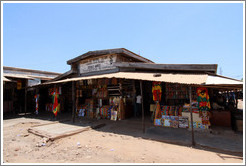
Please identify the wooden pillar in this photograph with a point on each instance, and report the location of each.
(236, 97)
(134, 98)
(25, 100)
(73, 99)
(191, 118)
(143, 122)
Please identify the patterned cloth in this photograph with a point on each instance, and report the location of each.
(156, 90)
(55, 96)
(36, 101)
(203, 99)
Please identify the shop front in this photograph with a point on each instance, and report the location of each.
(118, 84)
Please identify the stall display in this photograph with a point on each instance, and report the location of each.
(157, 122)
(82, 111)
(179, 91)
(105, 111)
(166, 121)
(171, 110)
(183, 122)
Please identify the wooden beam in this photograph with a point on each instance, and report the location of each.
(172, 67)
(143, 122)
(191, 117)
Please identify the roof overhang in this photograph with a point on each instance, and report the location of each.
(171, 78)
(191, 79)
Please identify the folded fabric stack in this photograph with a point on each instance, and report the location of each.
(171, 110)
(105, 111)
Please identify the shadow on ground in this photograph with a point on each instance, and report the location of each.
(220, 140)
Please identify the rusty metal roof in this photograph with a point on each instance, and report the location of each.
(26, 76)
(109, 51)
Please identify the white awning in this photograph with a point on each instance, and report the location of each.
(166, 77)
(220, 80)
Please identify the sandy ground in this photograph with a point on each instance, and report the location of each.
(96, 146)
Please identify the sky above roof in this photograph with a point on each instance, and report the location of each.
(43, 36)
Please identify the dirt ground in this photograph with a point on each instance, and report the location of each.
(97, 146)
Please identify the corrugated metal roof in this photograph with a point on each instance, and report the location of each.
(24, 76)
(171, 78)
(109, 51)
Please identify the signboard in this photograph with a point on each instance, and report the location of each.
(97, 64)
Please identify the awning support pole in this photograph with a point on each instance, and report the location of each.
(73, 99)
(143, 122)
(236, 97)
(191, 117)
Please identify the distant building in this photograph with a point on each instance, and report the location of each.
(15, 83)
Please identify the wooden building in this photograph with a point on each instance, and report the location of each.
(108, 83)
(104, 81)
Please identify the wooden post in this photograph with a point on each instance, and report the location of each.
(73, 99)
(191, 117)
(53, 103)
(236, 97)
(25, 100)
(143, 122)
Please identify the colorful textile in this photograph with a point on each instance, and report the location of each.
(113, 115)
(205, 118)
(157, 122)
(158, 111)
(167, 120)
(174, 122)
(156, 90)
(36, 101)
(203, 99)
(105, 111)
(55, 96)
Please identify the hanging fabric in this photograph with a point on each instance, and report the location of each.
(156, 90)
(203, 99)
(36, 101)
(55, 96)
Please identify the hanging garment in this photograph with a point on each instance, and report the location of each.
(203, 99)
(55, 95)
(157, 91)
(36, 101)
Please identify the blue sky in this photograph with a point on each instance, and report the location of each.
(44, 36)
